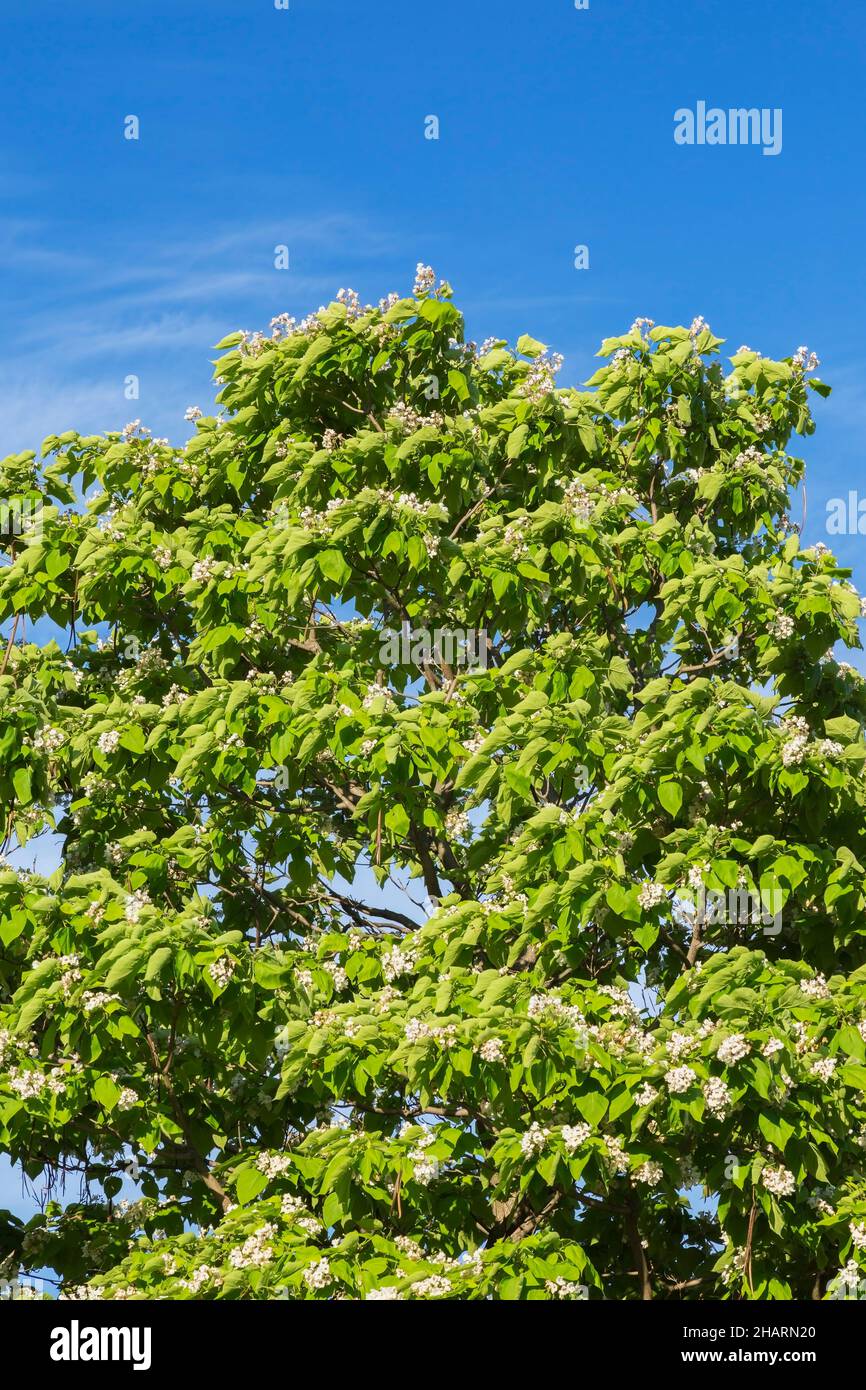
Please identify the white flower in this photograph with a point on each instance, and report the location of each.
(819, 1200)
(578, 502)
(396, 962)
(318, 1275)
(534, 1140)
(436, 1286)
(689, 1174)
(772, 1046)
(804, 359)
(680, 1045)
(823, 1068)
(617, 1157)
(717, 1095)
(550, 1006)
(540, 381)
(222, 970)
(575, 1135)
(96, 999)
(858, 1234)
(651, 894)
(752, 455)
(388, 1293)
(829, 748)
(425, 279)
(695, 876)
(108, 741)
(650, 1173)
(491, 1050)
(203, 570)
(255, 1251)
(425, 1167)
(417, 1030)
(294, 1210)
(850, 1277)
(191, 413)
(733, 1049)
(338, 974)
(134, 903)
(377, 692)
(49, 739)
(782, 626)
(457, 825)
(794, 751)
(201, 1275)
(679, 1079)
(815, 989)
(562, 1288)
(30, 1084)
(779, 1181)
(646, 1095)
(273, 1165)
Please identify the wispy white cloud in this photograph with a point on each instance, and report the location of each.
(154, 307)
(33, 405)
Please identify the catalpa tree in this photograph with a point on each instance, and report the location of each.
(390, 974)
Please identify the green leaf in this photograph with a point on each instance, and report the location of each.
(333, 566)
(250, 1182)
(530, 347)
(21, 783)
(516, 441)
(778, 1131)
(592, 1106)
(106, 1092)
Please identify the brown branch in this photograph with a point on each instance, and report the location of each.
(9, 645)
(747, 1262)
(199, 1163)
(633, 1231)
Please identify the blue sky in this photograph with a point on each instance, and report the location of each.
(305, 127)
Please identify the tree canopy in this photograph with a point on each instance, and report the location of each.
(388, 974)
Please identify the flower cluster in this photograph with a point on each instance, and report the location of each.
(273, 1165)
(651, 894)
(779, 1181)
(492, 1050)
(255, 1251)
(733, 1049)
(222, 970)
(396, 962)
(679, 1079)
(575, 1135)
(534, 1140)
(717, 1095)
